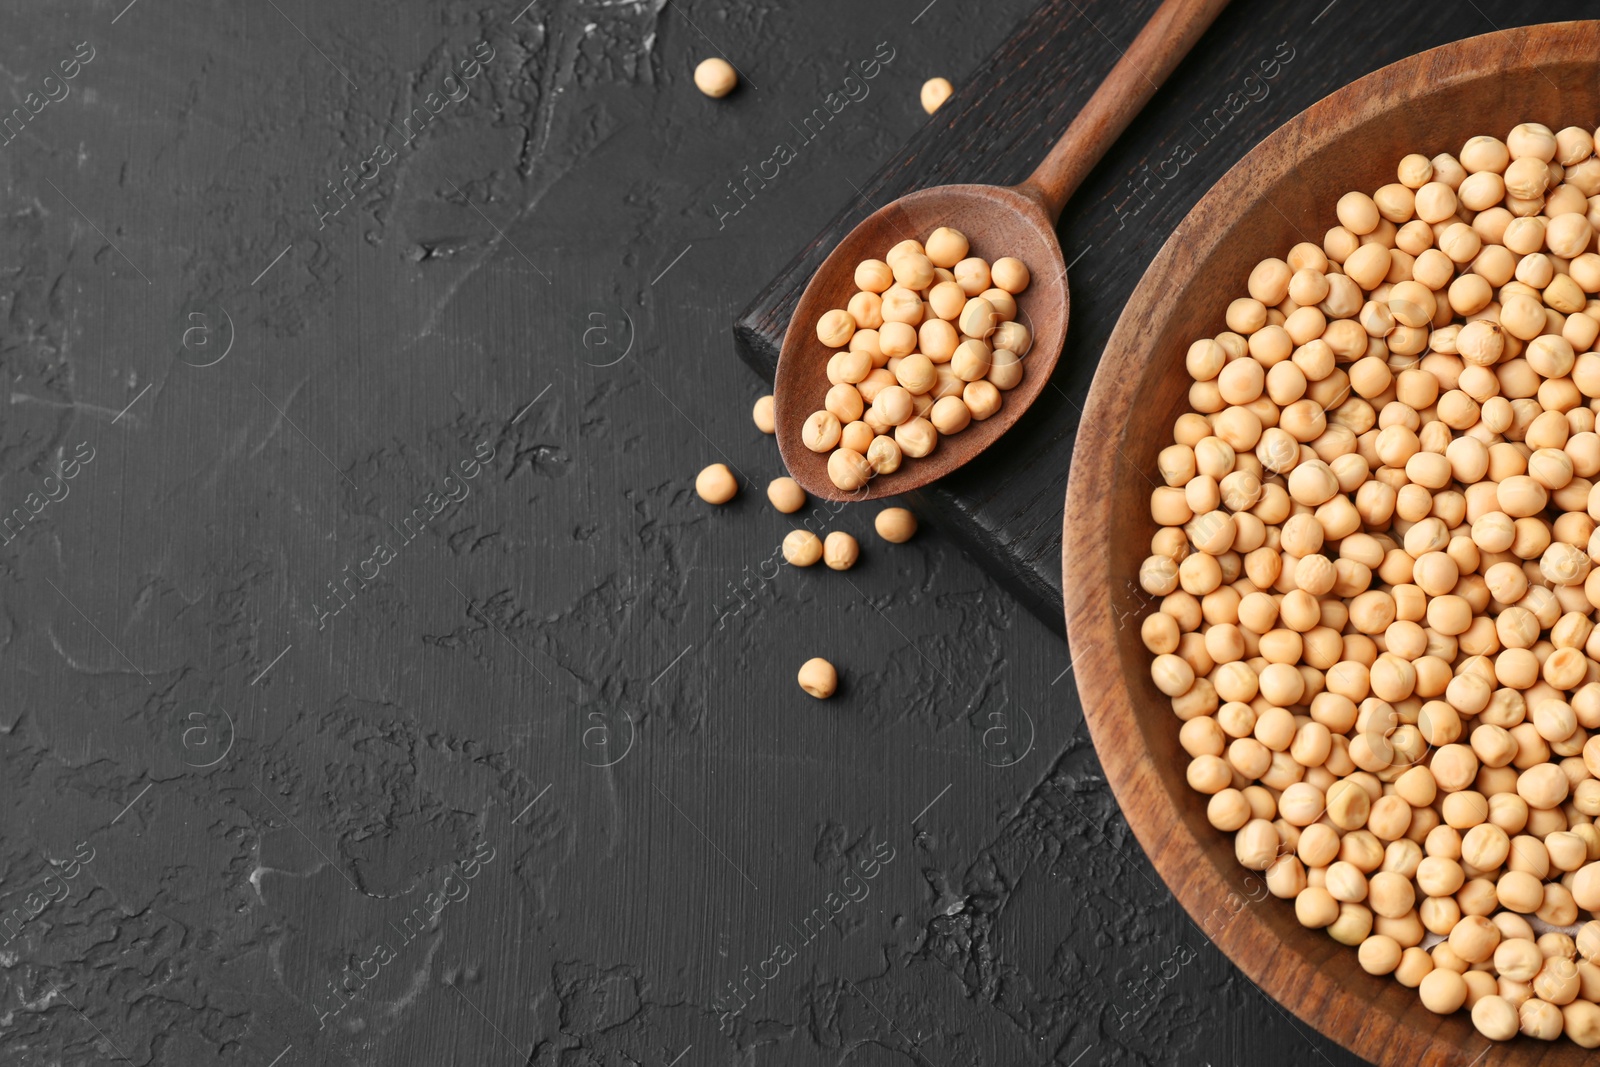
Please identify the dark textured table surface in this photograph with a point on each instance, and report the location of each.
(377, 689)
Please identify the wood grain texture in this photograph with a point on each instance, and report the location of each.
(1005, 507)
(1163, 43)
(1017, 222)
(1280, 193)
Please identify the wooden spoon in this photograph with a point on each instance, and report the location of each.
(999, 221)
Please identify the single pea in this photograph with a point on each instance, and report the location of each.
(913, 270)
(947, 300)
(883, 455)
(716, 484)
(973, 275)
(715, 77)
(1004, 304)
(873, 276)
(1495, 1018)
(866, 309)
(802, 548)
(856, 436)
(1442, 991)
(848, 469)
(982, 398)
(818, 678)
(763, 415)
(895, 525)
(820, 432)
(950, 415)
(935, 91)
(1013, 337)
(973, 359)
(901, 305)
(896, 339)
(915, 372)
(978, 318)
(786, 495)
(844, 403)
(1005, 369)
(840, 551)
(937, 339)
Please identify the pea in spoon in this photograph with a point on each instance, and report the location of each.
(998, 221)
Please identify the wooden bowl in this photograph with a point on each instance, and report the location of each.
(1282, 192)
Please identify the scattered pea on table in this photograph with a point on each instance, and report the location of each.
(895, 525)
(818, 678)
(786, 495)
(840, 551)
(762, 414)
(935, 91)
(802, 548)
(716, 484)
(715, 77)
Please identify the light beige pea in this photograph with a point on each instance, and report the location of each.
(884, 456)
(1357, 213)
(950, 415)
(915, 372)
(1003, 303)
(1005, 369)
(873, 276)
(978, 318)
(856, 436)
(818, 678)
(786, 495)
(848, 469)
(935, 91)
(849, 367)
(893, 405)
(843, 402)
(901, 304)
(840, 551)
(1442, 991)
(973, 275)
(835, 327)
(947, 300)
(866, 310)
(1010, 274)
(913, 270)
(802, 548)
(916, 437)
(716, 484)
(972, 361)
(762, 414)
(947, 247)
(1013, 337)
(715, 77)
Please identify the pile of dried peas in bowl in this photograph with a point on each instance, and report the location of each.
(1378, 599)
(927, 347)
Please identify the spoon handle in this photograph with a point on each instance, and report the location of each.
(1160, 46)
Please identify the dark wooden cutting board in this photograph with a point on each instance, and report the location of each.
(1259, 64)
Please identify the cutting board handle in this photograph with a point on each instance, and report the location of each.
(1154, 54)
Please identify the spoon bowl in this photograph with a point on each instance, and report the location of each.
(998, 222)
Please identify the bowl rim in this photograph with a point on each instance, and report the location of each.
(1280, 970)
